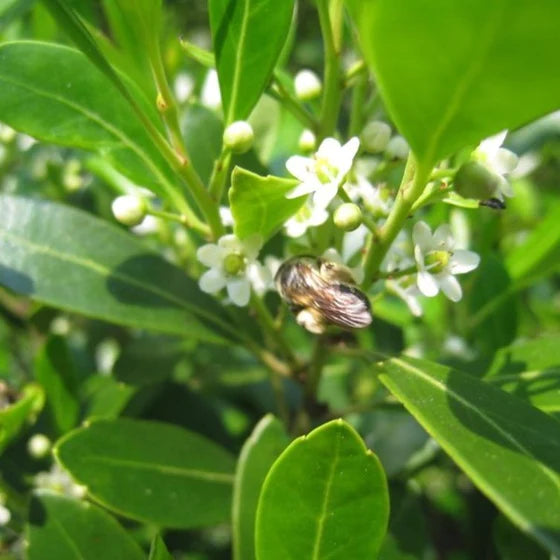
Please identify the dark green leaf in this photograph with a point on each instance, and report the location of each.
(15, 416)
(260, 451)
(69, 259)
(106, 397)
(325, 497)
(259, 204)
(56, 94)
(452, 73)
(248, 37)
(498, 440)
(158, 550)
(55, 371)
(513, 545)
(153, 472)
(67, 529)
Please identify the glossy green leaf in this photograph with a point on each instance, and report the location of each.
(513, 545)
(248, 37)
(105, 397)
(453, 73)
(56, 94)
(259, 452)
(498, 440)
(540, 253)
(55, 372)
(325, 497)
(67, 529)
(14, 417)
(158, 550)
(69, 259)
(153, 472)
(259, 204)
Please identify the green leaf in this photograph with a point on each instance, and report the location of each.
(513, 545)
(68, 529)
(158, 550)
(539, 255)
(498, 440)
(14, 417)
(105, 397)
(453, 73)
(325, 497)
(57, 95)
(259, 204)
(69, 259)
(259, 452)
(248, 37)
(149, 471)
(55, 371)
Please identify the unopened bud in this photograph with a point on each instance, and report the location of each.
(129, 209)
(397, 148)
(38, 446)
(376, 136)
(348, 216)
(474, 180)
(307, 141)
(307, 85)
(238, 137)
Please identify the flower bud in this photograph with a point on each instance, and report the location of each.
(348, 216)
(307, 141)
(38, 446)
(238, 137)
(307, 85)
(376, 136)
(397, 148)
(474, 180)
(129, 209)
(234, 264)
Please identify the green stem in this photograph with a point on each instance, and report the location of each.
(398, 273)
(198, 54)
(412, 185)
(220, 175)
(330, 19)
(358, 69)
(358, 101)
(200, 227)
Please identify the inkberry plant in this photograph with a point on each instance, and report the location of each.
(153, 186)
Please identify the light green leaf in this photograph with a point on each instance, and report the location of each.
(453, 73)
(325, 497)
(57, 95)
(68, 529)
(498, 440)
(152, 472)
(259, 452)
(69, 259)
(55, 371)
(158, 550)
(259, 204)
(248, 37)
(15, 416)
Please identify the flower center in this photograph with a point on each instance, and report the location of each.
(234, 264)
(324, 170)
(436, 261)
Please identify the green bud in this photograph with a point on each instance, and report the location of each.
(436, 261)
(348, 216)
(474, 180)
(129, 209)
(234, 264)
(307, 85)
(238, 137)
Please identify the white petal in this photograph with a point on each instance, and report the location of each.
(323, 196)
(295, 228)
(300, 167)
(318, 216)
(230, 243)
(490, 146)
(463, 261)
(418, 257)
(212, 281)
(450, 287)
(353, 242)
(252, 245)
(443, 238)
(329, 150)
(239, 291)
(422, 236)
(210, 255)
(505, 161)
(427, 284)
(505, 188)
(260, 277)
(303, 189)
(347, 154)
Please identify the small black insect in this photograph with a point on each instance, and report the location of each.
(494, 203)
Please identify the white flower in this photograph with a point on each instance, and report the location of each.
(497, 160)
(307, 85)
(409, 294)
(5, 515)
(309, 215)
(58, 480)
(226, 216)
(399, 255)
(183, 87)
(437, 261)
(38, 446)
(372, 197)
(210, 95)
(262, 276)
(230, 261)
(324, 172)
(376, 136)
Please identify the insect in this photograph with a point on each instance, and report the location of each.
(322, 293)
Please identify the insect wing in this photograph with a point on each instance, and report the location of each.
(343, 305)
